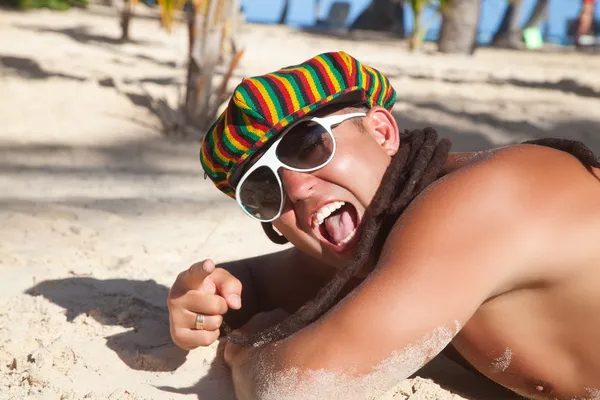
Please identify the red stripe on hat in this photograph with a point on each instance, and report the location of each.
(288, 103)
(348, 71)
(305, 86)
(325, 74)
(269, 113)
(231, 127)
(379, 83)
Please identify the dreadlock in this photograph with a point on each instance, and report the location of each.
(416, 165)
(575, 148)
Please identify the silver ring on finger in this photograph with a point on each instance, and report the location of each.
(199, 322)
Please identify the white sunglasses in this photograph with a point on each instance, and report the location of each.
(305, 146)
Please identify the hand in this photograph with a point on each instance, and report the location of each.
(257, 323)
(202, 289)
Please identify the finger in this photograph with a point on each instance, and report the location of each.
(229, 287)
(195, 275)
(189, 339)
(211, 322)
(204, 303)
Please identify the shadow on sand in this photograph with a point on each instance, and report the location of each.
(563, 85)
(140, 164)
(30, 69)
(82, 34)
(215, 385)
(138, 305)
(472, 139)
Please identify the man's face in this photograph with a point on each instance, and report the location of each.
(323, 209)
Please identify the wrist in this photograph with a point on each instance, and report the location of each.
(236, 354)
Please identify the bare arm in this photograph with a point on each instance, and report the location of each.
(459, 244)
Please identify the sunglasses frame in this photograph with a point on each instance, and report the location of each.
(269, 158)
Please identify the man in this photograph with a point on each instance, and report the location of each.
(510, 32)
(585, 35)
(495, 252)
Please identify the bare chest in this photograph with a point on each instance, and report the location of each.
(539, 343)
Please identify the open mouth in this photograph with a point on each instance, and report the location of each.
(336, 224)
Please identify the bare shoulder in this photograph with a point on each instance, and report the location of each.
(516, 180)
(499, 214)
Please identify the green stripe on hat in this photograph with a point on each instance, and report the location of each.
(262, 105)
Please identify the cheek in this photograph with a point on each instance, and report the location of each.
(359, 169)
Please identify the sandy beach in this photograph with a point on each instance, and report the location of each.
(99, 211)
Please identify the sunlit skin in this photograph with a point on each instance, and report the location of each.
(339, 180)
(506, 243)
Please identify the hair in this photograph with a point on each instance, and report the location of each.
(418, 163)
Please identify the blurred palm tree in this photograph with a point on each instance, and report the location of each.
(460, 19)
(284, 12)
(126, 14)
(213, 53)
(212, 43)
(421, 27)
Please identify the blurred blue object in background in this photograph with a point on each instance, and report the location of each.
(301, 13)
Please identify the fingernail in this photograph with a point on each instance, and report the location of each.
(205, 267)
(235, 301)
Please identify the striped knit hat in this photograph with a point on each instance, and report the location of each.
(262, 106)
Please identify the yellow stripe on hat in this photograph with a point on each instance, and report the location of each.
(311, 82)
(330, 74)
(250, 128)
(376, 82)
(221, 156)
(239, 101)
(214, 168)
(232, 137)
(290, 90)
(347, 60)
(268, 100)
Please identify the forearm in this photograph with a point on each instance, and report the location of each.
(257, 374)
(280, 372)
(303, 368)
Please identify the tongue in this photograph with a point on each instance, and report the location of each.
(339, 226)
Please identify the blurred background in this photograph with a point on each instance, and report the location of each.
(103, 104)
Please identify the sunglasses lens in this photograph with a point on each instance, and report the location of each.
(306, 145)
(260, 194)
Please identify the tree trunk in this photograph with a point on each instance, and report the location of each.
(382, 15)
(459, 27)
(211, 27)
(125, 20)
(508, 33)
(414, 42)
(284, 13)
(539, 14)
(317, 11)
(192, 68)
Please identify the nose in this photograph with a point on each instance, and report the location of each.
(297, 185)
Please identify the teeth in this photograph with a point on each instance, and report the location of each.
(347, 238)
(326, 211)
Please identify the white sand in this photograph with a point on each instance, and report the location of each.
(99, 212)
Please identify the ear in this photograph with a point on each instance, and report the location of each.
(382, 125)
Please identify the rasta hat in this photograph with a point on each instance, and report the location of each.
(262, 106)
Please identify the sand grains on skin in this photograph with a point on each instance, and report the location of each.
(294, 384)
(92, 190)
(502, 363)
